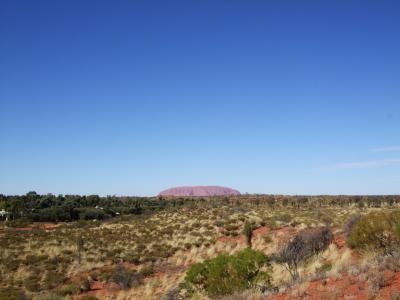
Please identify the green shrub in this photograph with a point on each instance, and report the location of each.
(376, 231)
(227, 274)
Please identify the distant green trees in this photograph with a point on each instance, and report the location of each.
(49, 207)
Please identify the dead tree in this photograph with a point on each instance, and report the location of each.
(304, 245)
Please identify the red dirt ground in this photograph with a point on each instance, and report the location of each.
(344, 287)
(23, 228)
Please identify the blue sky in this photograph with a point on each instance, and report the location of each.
(132, 97)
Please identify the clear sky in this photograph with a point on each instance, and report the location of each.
(132, 97)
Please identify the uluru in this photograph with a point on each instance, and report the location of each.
(199, 191)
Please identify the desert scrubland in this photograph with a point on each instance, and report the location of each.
(237, 247)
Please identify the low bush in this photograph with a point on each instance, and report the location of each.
(227, 274)
(376, 231)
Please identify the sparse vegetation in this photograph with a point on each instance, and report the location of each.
(144, 255)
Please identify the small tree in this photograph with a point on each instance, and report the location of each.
(248, 232)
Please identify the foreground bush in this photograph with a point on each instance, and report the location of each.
(376, 231)
(227, 274)
(303, 246)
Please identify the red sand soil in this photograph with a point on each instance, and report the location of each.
(23, 228)
(49, 226)
(45, 226)
(232, 239)
(261, 231)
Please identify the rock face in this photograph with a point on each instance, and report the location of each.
(199, 191)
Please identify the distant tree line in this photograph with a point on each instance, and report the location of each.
(52, 208)
(57, 208)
